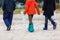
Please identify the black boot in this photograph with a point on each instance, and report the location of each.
(45, 28)
(8, 28)
(54, 27)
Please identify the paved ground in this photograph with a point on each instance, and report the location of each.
(19, 29)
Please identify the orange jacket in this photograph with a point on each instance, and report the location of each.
(31, 7)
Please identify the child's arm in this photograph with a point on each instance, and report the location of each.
(26, 8)
(36, 6)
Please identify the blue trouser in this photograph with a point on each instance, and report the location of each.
(7, 17)
(46, 21)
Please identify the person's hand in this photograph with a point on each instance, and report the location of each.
(24, 12)
(42, 11)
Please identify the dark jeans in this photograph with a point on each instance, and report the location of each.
(51, 20)
(7, 17)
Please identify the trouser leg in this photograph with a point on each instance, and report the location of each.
(6, 18)
(46, 22)
(30, 19)
(52, 21)
(10, 18)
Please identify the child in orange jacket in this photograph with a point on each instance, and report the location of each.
(30, 8)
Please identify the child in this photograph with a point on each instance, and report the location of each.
(49, 8)
(30, 10)
(8, 7)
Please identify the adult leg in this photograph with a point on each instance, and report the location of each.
(53, 23)
(46, 23)
(10, 18)
(5, 18)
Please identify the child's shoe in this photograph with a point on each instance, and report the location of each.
(31, 28)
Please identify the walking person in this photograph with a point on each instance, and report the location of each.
(30, 8)
(8, 7)
(49, 8)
